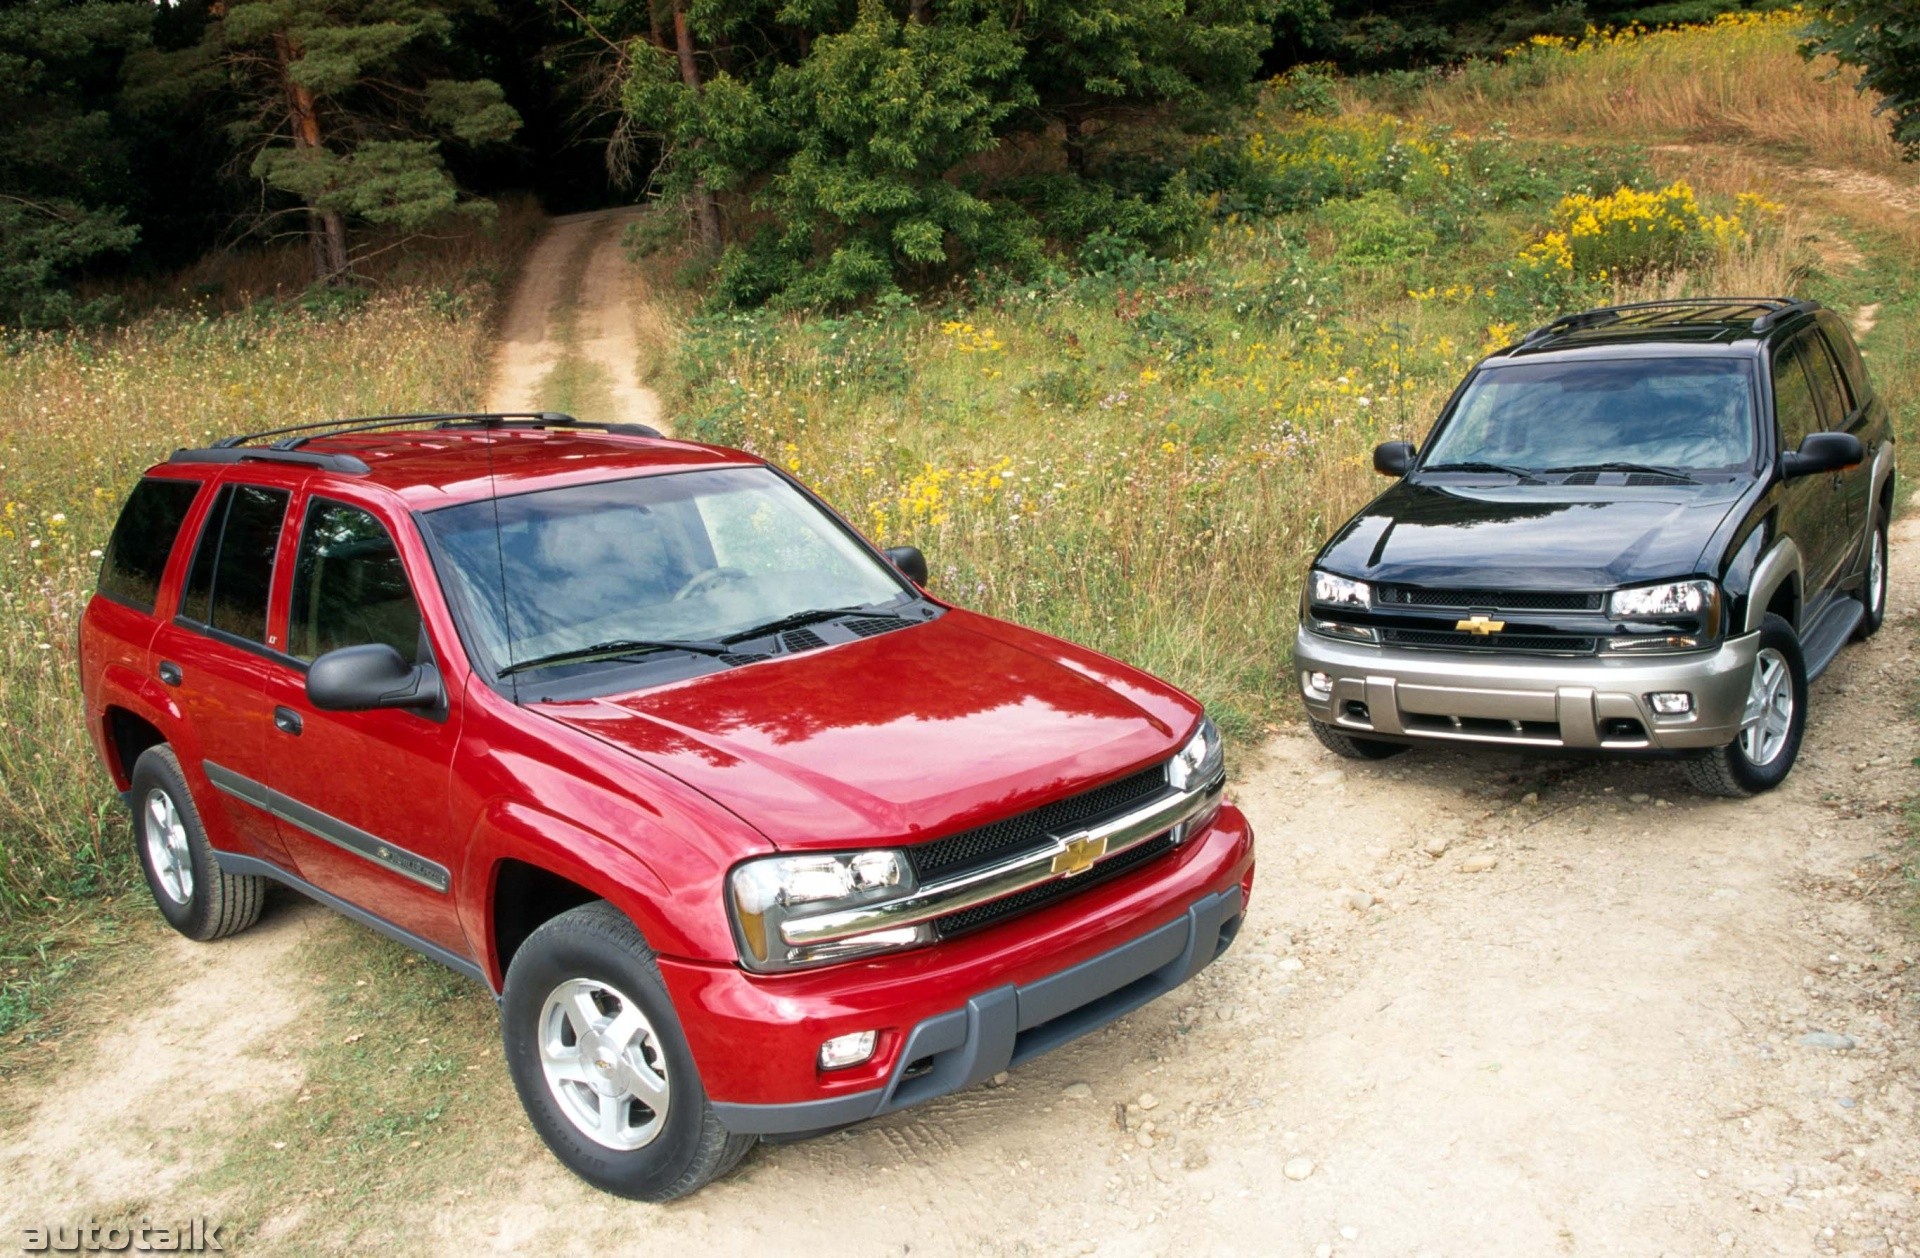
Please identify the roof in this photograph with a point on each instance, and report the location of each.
(1739, 326)
(444, 463)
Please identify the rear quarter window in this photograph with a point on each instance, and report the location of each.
(136, 555)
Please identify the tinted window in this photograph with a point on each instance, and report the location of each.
(1691, 413)
(349, 587)
(1853, 369)
(233, 567)
(1792, 400)
(137, 553)
(1826, 381)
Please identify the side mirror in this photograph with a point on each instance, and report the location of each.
(1822, 452)
(910, 561)
(358, 678)
(1393, 458)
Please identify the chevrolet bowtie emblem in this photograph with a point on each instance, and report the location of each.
(1480, 626)
(1081, 852)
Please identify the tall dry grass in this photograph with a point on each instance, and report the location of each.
(82, 415)
(1740, 79)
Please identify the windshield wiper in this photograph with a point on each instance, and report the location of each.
(615, 649)
(1478, 465)
(813, 617)
(1647, 469)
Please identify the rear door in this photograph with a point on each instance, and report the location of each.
(215, 655)
(363, 797)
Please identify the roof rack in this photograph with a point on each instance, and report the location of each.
(237, 448)
(1775, 309)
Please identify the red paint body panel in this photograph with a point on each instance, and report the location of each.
(785, 1017)
(649, 799)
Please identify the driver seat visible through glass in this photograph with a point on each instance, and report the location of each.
(349, 586)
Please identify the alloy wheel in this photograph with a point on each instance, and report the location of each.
(167, 848)
(1769, 716)
(1877, 573)
(604, 1064)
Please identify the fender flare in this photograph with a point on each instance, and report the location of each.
(1779, 565)
(509, 829)
(133, 691)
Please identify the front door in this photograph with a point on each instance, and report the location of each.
(215, 656)
(1811, 510)
(363, 797)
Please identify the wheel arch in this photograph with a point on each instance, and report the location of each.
(1777, 586)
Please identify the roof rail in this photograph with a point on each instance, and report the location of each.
(1775, 309)
(345, 463)
(293, 436)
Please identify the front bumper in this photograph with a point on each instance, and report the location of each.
(1589, 703)
(956, 1013)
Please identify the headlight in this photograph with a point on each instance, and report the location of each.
(1664, 601)
(1200, 761)
(1329, 590)
(766, 892)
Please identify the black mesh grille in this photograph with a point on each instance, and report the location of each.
(872, 626)
(801, 640)
(1452, 640)
(1047, 892)
(1012, 835)
(1496, 600)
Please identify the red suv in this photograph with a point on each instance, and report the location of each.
(750, 834)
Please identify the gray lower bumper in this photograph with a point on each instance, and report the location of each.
(1008, 1025)
(1593, 703)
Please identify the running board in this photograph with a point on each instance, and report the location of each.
(1836, 626)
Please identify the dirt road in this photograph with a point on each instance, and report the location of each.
(1483, 1005)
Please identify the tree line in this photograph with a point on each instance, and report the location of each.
(825, 152)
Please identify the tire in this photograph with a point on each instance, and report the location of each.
(1348, 747)
(192, 893)
(593, 958)
(1873, 595)
(1761, 756)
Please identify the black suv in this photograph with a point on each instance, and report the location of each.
(1643, 529)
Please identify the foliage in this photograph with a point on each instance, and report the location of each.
(1881, 38)
(865, 146)
(343, 106)
(63, 165)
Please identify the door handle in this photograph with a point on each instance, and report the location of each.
(287, 721)
(170, 673)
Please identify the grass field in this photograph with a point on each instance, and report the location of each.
(82, 416)
(1142, 458)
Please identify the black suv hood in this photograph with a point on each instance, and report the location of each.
(1538, 537)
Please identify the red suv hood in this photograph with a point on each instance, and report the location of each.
(906, 736)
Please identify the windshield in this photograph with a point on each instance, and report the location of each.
(681, 557)
(1685, 413)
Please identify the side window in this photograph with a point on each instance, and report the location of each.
(349, 586)
(1853, 368)
(233, 567)
(1792, 398)
(1826, 381)
(136, 555)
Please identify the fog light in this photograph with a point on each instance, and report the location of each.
(1317, 685)
(1671, 702)
(846, 1050)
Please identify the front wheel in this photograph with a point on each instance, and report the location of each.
(1762, 755)
(601, 1065)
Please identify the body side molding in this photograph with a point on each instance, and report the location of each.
(348, 838)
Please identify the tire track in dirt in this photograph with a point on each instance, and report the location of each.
(577, 302)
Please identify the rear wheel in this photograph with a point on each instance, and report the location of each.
(1873, 596)
(195, 897)
(601, 1065)
(1775, 720)
(1345, 745)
